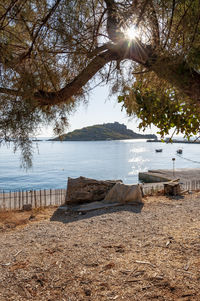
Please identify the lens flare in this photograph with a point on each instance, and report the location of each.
(131, 33)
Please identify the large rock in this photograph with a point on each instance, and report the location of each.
(121, 193)
(82, 190)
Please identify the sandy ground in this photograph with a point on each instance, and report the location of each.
(143, 252)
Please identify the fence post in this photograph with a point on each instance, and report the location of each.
(45, 198)
(4, 203)
(35, 198)
(10, 200)
(40, 198)
(15, 198)
(31, 191)
(22, 198)
(50, 197)
(19, 196)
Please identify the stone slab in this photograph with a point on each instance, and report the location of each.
(92, 206)
(162, 175)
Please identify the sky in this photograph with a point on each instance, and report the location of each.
(100, 109)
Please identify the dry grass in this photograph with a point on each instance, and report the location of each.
(128, 253)
(10, 219)
(13, 219)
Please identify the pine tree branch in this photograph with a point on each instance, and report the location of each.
(166, 68)
(71, 89)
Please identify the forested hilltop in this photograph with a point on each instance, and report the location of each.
(106, 131)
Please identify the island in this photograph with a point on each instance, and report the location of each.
(106, 131)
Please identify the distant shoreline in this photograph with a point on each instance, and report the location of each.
(97, 140)
(174, 141)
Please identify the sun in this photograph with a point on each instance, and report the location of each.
(131, 33)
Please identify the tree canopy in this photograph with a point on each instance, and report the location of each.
(52, 51)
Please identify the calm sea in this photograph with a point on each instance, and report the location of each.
(54, 162)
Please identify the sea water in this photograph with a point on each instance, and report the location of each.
(54, 162)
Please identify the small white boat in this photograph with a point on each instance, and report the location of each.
(159, 150)
(179, 151)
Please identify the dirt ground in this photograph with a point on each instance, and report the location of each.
(140, 252)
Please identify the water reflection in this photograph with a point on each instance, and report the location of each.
(138, 150)
(95, 159)
(138, 159)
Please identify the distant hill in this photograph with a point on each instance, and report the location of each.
(106, 131)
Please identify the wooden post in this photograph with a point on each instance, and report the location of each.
(31, 191)
(22, 198)
(0, 198)
(45, 198)
(35, 197)
(50, 197)
(40, 198)
(172, 189)
(4, 203)
(14, 200)
(19, 197)
(10, 200)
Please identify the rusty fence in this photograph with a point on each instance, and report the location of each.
(14, 200)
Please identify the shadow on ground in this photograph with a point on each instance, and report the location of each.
(69, 216)
(175, 197)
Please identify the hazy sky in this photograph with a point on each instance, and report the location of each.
(100, 109)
